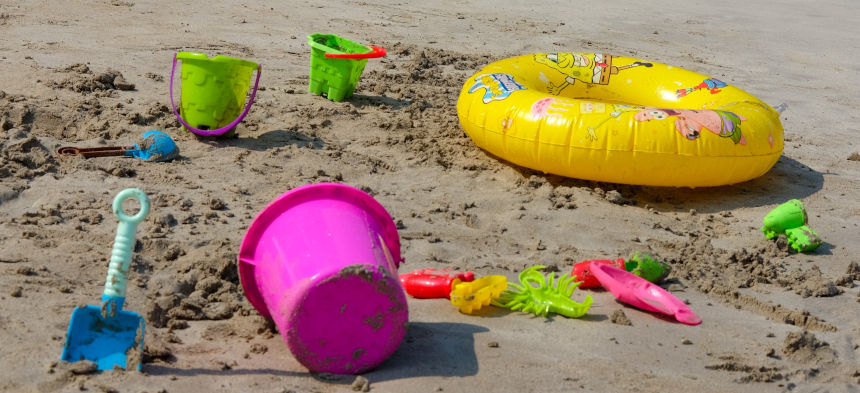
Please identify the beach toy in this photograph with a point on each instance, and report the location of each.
(803, 238)
(646, 267)
(321, 261)
(106, 334)
(537, 295)
(432, 284)
(213, 92)
(582, 271)
(638, 292)
(790, 219)
(791, 214)
(155, 146)
(617, 119)
(471, 296)
(337, 64)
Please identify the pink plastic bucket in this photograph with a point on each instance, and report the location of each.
(321, 261)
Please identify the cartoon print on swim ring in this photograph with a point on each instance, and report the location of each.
(690, 122)
(712, 84)
(578, 67)
(618, 110)
(498, 86)
(549, 106)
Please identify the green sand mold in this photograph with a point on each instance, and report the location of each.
(803, 238)
(790, 219)
(646, 267)
(791, 214)
(541, 295)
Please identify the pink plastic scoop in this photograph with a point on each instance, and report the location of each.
(638, 292)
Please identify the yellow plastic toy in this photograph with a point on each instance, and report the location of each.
(471, 296)
(618, 119)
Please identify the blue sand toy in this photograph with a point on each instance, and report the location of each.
(155, 146)
(107, 335)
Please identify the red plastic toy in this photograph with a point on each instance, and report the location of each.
(432, 284)
(583, 273)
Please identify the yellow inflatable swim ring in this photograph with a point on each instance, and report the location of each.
(618, 119)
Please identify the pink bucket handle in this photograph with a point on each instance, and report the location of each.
(221, 130)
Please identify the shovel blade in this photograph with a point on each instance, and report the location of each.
(156, 146)
(109, 342)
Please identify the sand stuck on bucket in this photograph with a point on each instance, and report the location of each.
(321, 261)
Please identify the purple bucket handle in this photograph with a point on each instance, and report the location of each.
(221, 130)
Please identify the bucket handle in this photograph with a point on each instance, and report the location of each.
(374, 53)
(221, 130)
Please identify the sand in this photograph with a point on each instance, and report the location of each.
(91, 73)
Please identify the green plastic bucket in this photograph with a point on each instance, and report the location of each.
(213, 92)
(337, 64)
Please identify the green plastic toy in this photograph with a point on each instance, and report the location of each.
(791, 214)
(790, 219)
(337, 64)
(802, 238)
(539, 296)
(647, 267)
(213, 91)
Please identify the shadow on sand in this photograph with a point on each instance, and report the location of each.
(445, 349)
(788, 179)
(160, 369)
(361, 101)
(429, 349)
(275, 138)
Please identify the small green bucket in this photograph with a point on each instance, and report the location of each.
(213, 92)
(337, 64)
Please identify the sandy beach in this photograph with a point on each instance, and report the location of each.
(95, 73)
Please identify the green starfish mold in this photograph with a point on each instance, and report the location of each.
(538, 295)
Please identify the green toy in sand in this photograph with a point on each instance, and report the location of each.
(646, 267)
(790, 219)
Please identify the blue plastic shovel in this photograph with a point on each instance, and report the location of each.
(107, 335)
(154, 146)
